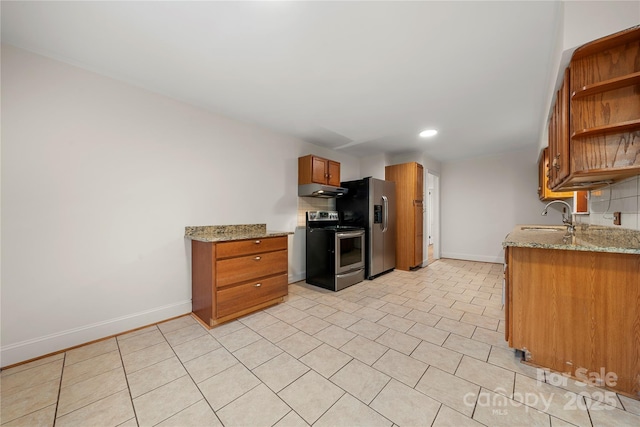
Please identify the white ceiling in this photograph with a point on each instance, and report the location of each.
(362, 77)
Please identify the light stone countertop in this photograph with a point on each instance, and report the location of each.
(593, 238)
(227, 233)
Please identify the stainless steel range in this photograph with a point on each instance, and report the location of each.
(334, 253)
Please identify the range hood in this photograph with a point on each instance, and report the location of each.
(320, 190)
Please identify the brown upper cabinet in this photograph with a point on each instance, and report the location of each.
(559, 162)
(409, 179)
(544, 191)
(314, 169)
(600, 143)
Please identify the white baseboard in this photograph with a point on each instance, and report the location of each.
(471, 257)
(36, 347)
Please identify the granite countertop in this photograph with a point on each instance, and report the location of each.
(593, 238)
(226, 233)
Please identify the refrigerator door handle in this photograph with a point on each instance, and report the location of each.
(385, 214)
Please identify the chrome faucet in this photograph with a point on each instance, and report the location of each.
(567, 219)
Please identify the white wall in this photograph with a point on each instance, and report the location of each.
(373, 166)
(483, 199)
(585, 21)
(430, 164)
(99, 180)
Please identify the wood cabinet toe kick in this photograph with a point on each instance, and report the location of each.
(231, 279)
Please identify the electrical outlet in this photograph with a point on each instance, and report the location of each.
(616, 218)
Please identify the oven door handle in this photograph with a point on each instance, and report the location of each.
(350, 234)
(385, 214)
(351, 273)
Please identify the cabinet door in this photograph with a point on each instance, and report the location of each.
(319, 170)
(542, 171)
(419, 192)
(418, 216)
(334, 173)
(559, 161)
(418, 212)
(563, 129)
(506, 296)
(544, 190)
(553, 149)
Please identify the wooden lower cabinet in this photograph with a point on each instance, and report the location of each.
(576, 312)
(231, 279)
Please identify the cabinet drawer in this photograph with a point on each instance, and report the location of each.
(241, 269)
(237, 298)
(250, 246)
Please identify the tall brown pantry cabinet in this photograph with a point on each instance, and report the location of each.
(409, 179)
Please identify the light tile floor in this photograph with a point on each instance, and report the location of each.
(421, 348)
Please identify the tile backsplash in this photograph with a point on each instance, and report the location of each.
(313, 204)
(621, 197)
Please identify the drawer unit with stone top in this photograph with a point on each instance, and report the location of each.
(233, 276)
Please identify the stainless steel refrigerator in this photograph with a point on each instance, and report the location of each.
(371, 204)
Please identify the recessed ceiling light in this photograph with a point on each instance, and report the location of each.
(427, 133)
